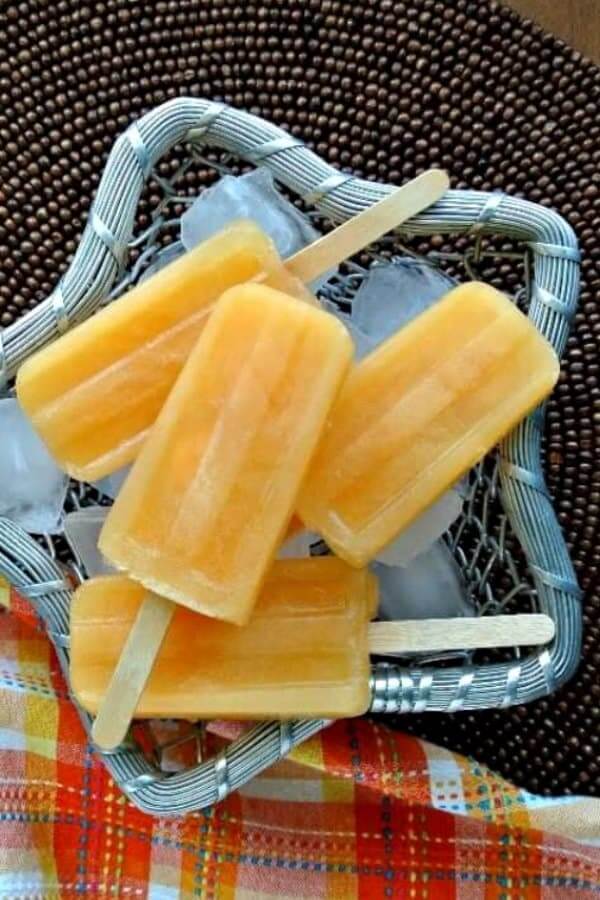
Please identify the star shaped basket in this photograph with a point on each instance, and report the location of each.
(507, 541)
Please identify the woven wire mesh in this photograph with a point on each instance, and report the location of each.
(495, 564)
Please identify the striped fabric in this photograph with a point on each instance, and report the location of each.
(358, 812)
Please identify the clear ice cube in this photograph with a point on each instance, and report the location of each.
(363, 344)
(32, 487)
(298, 546)
(82, 529)
(251, 196)
(424, 531)
(391, 294)
(431, 586)
(111, 484)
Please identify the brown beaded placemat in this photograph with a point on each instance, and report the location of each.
(385, 88)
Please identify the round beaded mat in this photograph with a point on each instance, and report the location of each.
(385, 88)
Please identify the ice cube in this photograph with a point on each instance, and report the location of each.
(252, 196)
(298, 545)
(391, 294)
(424, 531)
(32, 487)
(110, 485)
(431, 586)
(82, 529)
(363, 344)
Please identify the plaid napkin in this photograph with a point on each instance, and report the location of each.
(359, 811)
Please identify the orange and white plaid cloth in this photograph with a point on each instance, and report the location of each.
(359, 811)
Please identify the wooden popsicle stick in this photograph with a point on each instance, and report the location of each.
(433, 635)
(369, 225)
(132, 672)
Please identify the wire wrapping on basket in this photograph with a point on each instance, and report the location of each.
(92, 274)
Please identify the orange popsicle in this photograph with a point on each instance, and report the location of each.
(209, 498)
(93, 394)
(417, 413)
(303, 653)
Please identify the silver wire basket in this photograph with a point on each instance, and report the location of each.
(508, 540)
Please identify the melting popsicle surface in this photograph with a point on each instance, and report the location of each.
(93, 394)
(303, 653)
(418, 412)
(209, 498)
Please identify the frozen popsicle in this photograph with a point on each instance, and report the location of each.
(418, 412)
(209, 498)
(93, 394)
(303, 653)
